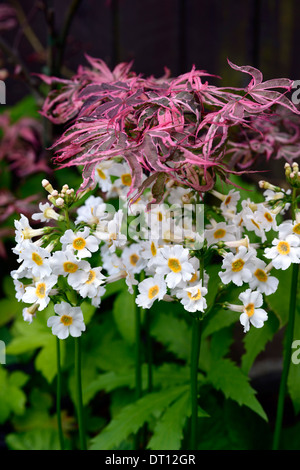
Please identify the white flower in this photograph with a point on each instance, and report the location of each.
(192, 298)
(220, 232)
(173, 261)
(30, 312)
(47, 213)
(96, 300)
(68, 321)
(81, 243)
(132, 258)
(102, 176)
(238, 267)
(92, 212)
(230, 201)
(111, 231)
(261, 279)
(89, 288)
(284, 252)
(19, 288)
(265, 218)
(24, 231)
(150, 289)
(66, 264)
(35, 259)
(251, 222)
(39, 293)
(288, 227)
(252, 314)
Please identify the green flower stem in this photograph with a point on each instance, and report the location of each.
(58, 396)
(287, 357)
(289, 336)
(82, 436)
(148, 350)
(138, 352)
(195, 354)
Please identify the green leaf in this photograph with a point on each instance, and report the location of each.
(168, 432)
(218, 320)
(124, 314)
(255, 341)
(225, 376)
(277, 302)
(133, 416)
(174, 333)
(37, 439)
(12, 398)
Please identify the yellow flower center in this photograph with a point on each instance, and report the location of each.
(255, 223)
(70, 267)
(37, 259)
(194, 277)
(153, 249)
(91, 277)
(66, 320)
(134, 259)
(153, 291)
(196, 296)
(101, 174)
(126, 179)
(268, 217)
(79, 243)
(159, 216)
(220, 233)
(249, 310)
(261, 275)
(174, 265)
(41, 290)
(237, 265)
(227, 200)
(283, 248)
(296, 229)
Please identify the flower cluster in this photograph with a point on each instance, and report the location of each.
(160, 252)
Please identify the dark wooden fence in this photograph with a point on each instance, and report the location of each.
(178, 34)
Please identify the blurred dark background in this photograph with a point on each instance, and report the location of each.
(164, 33)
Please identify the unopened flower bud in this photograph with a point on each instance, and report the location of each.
(47, 186)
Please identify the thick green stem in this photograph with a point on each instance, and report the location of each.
(58, 396)
(148, 350)
(195, 354)
(287, 357)
(82, 436)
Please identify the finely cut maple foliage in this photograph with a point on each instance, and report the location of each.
(180, 128)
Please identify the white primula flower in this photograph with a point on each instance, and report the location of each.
(132, 258)
(68, 321)
(252, 313)
(92, 212)
(151, 289)
(66, 264)
(284, 252)
(229, 202)
(252, 223)
(111, 232)
(102, 176)
(96, 300)
(47, 213)
(149, 250)
(271, 195)
(261, 279)
(288, 227)
(40, 292)
(35, 259)
(24, 231)
(81, 243)
(19, 288)
(89, 288)
(29, 313)
(220, 232)
(173, 261)
(265, 218)
(192, 298)
(238, 267)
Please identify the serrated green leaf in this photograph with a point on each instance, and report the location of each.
(37, 439)
(12, 398)
(168, 432)
(174, 333)
(225, 376)
(133, 416)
